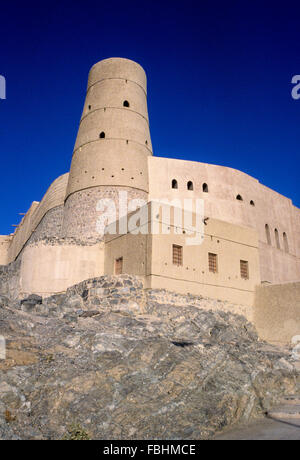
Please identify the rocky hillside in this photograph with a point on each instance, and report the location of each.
(105, 360)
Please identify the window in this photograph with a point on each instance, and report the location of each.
(177, 255)
(174, 183)
(119, 266)
(205, 188)
(285, 242)
(90, 107)
(277, 238)
(244, 269)
(268, 235)
(252, 203)
(102, 135)
(190, 185)
(239, 198)
(212, 262)
(126, 104)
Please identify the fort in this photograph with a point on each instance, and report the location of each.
(250, 249)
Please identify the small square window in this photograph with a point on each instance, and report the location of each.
(119, 266)
(244, 269)
(212, 262)
(177, 254)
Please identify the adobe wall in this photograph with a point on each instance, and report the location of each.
(133, 249)
(224, 184)
(229, 242)
(50, 223)
(150, 255)
(22, 233)
(5, 241)
(109, 162)
(277, 312)
(52, 268)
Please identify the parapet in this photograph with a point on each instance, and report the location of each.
(120, 68)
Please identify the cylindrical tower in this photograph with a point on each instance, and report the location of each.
(112, 144)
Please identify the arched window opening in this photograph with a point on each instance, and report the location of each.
(190, 185)
(205, 188)
(102, 135)
(174, 183)
(126, 104)
(90, 107)
(252, 203)
(277, 238)
(285, 242)
(239, 198)
(268, 234)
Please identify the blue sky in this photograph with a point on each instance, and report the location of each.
(219, 85)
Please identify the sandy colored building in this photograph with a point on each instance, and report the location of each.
(250, 234)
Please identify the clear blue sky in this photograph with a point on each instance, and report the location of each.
(219, 85)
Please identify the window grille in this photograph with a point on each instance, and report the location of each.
(244, 269)
(177, 255)
(213, 262)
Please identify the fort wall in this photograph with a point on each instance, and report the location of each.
(150, 255)
(82, 213)
(259, 206)
(52, 268)
(54, 198)
(5, 242)
(276, 312)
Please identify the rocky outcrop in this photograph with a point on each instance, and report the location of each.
(109, 361)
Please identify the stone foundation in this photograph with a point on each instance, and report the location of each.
(10, 279)
(109, 290)
(49, 229)
(81, 215)
(164, 297)
(118, 292)
(50, 225)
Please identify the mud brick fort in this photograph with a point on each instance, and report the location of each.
(250, 249)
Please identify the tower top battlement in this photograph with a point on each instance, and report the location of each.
(118, 68)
